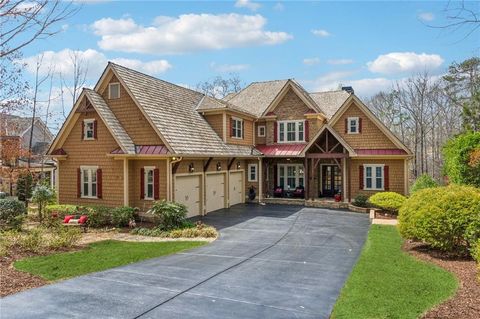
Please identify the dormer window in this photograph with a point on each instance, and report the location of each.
(291, 131)
(237, 127)
(353, 125)
(89, 129)
(114, 90)
(261, 131)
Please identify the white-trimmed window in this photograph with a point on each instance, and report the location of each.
(237, 127)
(149, 175)
(89, 181)
(290, 176)
(291, 131)
(89, 129)
(261, 131)
(374, 177)
(114, 90)
(253, 172)
(353, 125)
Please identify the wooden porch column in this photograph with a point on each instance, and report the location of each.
(307, 178)
(125, 182)
(260, 180)
(343, 162)
(311, 176)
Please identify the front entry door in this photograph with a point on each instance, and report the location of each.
(331, 180)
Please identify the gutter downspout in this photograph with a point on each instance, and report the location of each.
(170, 176)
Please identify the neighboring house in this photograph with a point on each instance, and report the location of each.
(15, 132)
(134, 139)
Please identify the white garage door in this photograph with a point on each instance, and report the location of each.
(214, 191)
(187, 192)
(236, 188)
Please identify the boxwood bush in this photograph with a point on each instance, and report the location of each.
(389, 201)
(122, 215)
(360, 200)
(12, 212)
(422, 182)
(443, 217)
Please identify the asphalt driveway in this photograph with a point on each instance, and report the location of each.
(269, 262)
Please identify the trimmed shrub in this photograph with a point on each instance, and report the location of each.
(422, 182)
(442, 217)
(153, 232)
(193, 232)
(360, 200)
(42, 196)
(122, 215)
(389, 201)
(12, 212)
(98, 216)
(61, 210)
(169, 215)
(32, 241)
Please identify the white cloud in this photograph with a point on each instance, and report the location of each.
(225, 68)
(398, 62)
(340, 61)
(254, 6)
(426, 16)
(279, 6)
(92, 60)
(186, 33)
(311, 61)
(321, 33)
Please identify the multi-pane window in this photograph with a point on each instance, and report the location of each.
(252, 172)
(149, 177)
(291, 131)
(114, 90)
(374, 177)
(261, 131)
(89, 181)
(290, 176)
(353, 125)
(89, 129)
(237, 128)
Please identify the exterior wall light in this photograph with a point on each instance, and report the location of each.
(219, 166)
(191, 168)
(239, 165)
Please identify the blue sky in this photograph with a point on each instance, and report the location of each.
(365, 44)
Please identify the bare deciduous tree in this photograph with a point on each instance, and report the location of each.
(79, 68)
(22, 22)
(219, 87)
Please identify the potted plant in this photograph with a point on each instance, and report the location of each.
(338, 197)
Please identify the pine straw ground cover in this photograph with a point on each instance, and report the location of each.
(465, 303)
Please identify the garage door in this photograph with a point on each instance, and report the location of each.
(214, 191)
(187, 192)
(236, 188)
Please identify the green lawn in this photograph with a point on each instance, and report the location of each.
(99, 256)
(388, 283)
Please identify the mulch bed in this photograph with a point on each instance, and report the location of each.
(383, 215)
(465, 303)
(12, 280)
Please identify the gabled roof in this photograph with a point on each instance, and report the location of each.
(111, 121)
(328, 127)
(13, 125)
(107, 116)
(172, 110)
(211, 104)
(258, 96)
(330, 101)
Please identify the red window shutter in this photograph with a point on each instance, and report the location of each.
(83, 131)
(99, 183)
(360, 176)
(275, 131)
(95, 129)
(156, 184)
(79, 182)
(346, 125)
(142, 183)
(307, 138)
(360, 125)
(243, 129)
(386, 178)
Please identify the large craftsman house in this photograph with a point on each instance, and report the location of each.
(134, 139)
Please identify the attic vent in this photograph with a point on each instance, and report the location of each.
(348, 89)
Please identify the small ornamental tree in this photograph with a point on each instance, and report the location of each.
(42, 196)
(24, 186)
(459, 165)
(422, 182)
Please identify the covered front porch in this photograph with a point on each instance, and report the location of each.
(317, 171)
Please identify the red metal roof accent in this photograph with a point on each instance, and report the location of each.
(59, 151)
(380, 152)
(270, 114)
(310, 111)
(145, 150)
(281, 149)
